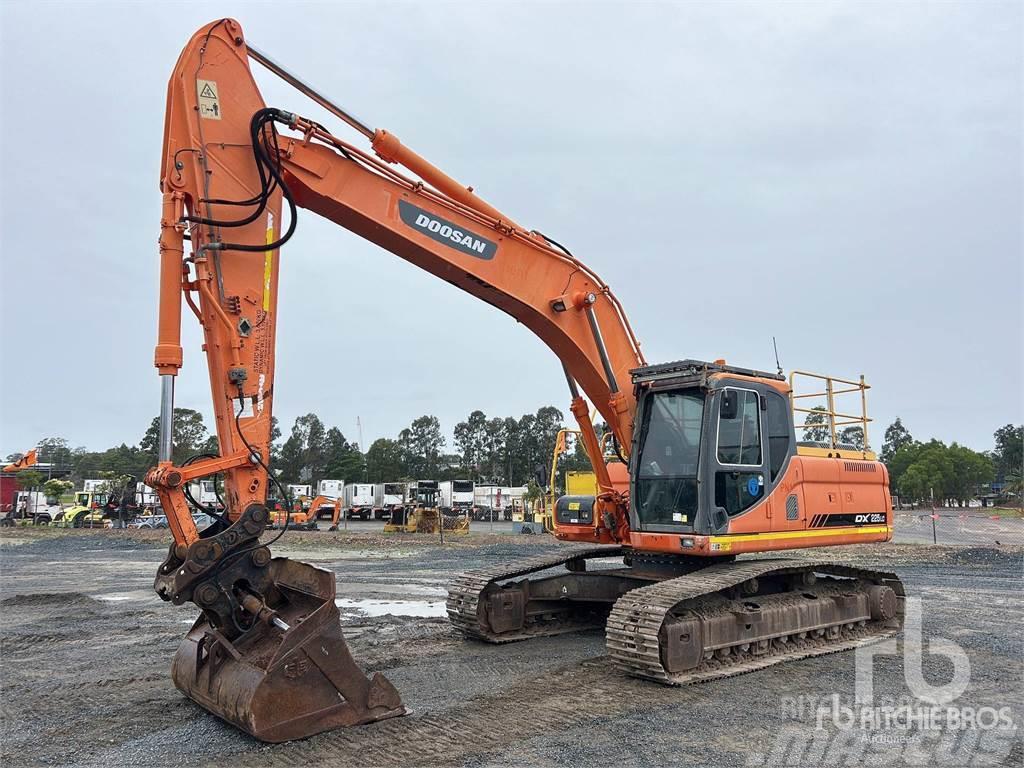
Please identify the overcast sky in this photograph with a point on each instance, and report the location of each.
(844, 176)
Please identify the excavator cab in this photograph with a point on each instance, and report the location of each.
(712, 442)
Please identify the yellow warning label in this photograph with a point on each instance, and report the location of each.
(209, 101)
(268, 263)
(574, 505)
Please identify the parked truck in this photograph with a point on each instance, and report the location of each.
(456, 496)
(498, 500)
(298, 491)
(329, 489)
(387, 497)
(358, 501)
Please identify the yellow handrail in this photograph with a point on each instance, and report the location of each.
(835, 418)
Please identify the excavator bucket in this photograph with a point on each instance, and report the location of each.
(289, 679)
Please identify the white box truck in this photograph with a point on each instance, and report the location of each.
(295, 491)
(329, 489)
(358, 501)
(499, 498)
(205, 492)
(146, 496)
(332, 489)
(387, 497)
(457, 495)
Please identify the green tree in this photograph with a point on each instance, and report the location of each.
(384, 462)
(971, 470)
(493, 464)
(816, 426)
(929, 473)
(896, 436)
(343, 460)
(188, 438)
(54, 450)
(28, 479)
(421, 443)
(1009, 451)
(899, 462)
(469, 437)
(303, 456)
(532, 493)
(54, 489)
(852, 436)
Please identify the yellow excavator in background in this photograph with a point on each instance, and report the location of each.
(422, 513)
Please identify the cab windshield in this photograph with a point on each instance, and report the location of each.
(666, 480)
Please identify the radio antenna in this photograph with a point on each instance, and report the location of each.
(778, 365)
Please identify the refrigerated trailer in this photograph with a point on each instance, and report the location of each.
(328, 489)
(358, 501)
(296, 491)
(456, 495)
(386, 498)
(332, 489)
(501, 499)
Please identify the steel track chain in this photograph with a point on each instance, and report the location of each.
(465, 608)
(634, 624)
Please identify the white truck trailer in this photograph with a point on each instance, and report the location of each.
(358, 501)
(332, 489)
(498, 498)
(456, 496)
(387, 497)
(329, 489)
(297, 490)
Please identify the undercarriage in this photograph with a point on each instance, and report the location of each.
(680, 620)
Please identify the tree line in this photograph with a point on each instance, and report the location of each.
(953, 474)
(514, 451)
(499, 450)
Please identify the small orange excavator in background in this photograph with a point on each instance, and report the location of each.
(710, 466)
(305, 512)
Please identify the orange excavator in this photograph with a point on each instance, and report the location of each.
(710, 463)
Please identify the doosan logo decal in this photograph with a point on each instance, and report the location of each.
(446, 232)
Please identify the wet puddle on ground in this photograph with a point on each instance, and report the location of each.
(117, 597)
(421, 608)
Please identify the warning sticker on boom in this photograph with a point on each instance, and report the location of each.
(209, 101)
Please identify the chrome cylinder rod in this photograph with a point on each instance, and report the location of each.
(308, 90)
(613, 385)
(573, 389)
(166, 416)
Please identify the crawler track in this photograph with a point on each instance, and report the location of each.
(635, 629)
(465, 608)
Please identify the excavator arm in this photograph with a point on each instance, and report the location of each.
(228, 162)
(230, 167)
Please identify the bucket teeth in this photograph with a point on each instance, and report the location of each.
(283, 685)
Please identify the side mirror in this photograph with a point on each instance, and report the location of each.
(728, 406)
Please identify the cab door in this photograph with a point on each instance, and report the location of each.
(738, 462)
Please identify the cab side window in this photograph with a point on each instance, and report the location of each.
(779, 427)
(739, 428)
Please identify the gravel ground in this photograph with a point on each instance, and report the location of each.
(86, 649)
